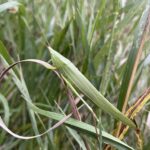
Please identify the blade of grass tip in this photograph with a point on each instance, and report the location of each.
(106, 73)
(107, 138)
(83, 84)
(133, 60)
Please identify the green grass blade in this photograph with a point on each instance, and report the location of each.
(83, 126)
(74, 123)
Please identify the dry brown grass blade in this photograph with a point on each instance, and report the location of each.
(139, 139)
(131, 113)
(133, 110)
